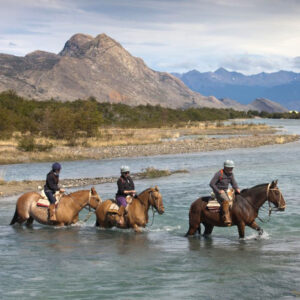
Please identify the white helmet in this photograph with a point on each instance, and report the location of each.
(125, 169)
(229, 163)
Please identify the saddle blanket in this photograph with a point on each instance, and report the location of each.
(44, 202)
(114, 208)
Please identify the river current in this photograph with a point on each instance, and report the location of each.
(84, 262)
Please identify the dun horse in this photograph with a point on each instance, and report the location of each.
(66, 213)
(137, 214)
(243, 212)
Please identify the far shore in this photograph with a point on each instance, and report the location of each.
(130, 142)
(11, 188)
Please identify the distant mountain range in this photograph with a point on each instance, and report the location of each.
(282, 87)
(100, 67)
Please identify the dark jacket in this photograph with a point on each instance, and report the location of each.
(221, 180)
(124, 184)
(51, 182)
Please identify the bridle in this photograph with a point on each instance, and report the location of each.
(89, 204)
(153, 201)
(269, 202)
(268, 192)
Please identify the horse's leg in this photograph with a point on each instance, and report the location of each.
(208, 229)
(254, 226)
(75, 220)
(137, 228)
(241, 228)
(199, 229)
(29, 221)
(194, 220)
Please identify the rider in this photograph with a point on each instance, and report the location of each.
(51, 187)
(125, 187)
(219, 184)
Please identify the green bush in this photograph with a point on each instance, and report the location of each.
(28, 144)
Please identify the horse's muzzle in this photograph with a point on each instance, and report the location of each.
(161, 210)
(281, 208)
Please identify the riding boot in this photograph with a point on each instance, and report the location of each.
(51, 211)
(226, 213)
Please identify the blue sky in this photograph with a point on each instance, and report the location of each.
(169, 35)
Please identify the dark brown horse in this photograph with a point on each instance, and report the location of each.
(137, 214)
(67, 211)
(244, 210)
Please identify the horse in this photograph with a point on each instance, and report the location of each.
(137, 211)
(243, 213)
(66, 212)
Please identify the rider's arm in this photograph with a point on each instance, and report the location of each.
(234, 183)
(213, 182)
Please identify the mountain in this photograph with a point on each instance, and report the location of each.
(267, 105)
(98, 67)
(282, 87)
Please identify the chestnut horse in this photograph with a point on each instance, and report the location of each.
(137, 211)
(66, 212)
(244, 210)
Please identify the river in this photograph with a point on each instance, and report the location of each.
(83, 262)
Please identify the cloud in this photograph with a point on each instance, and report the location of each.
(167, 34)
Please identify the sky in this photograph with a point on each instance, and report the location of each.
(248, 36)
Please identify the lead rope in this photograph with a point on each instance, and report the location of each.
(152, 216)
(91, 212)
(153, 210)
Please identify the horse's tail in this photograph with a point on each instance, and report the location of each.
(15, 218)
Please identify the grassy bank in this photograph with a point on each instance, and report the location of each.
(116, 142)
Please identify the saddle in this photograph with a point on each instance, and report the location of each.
(114, 207)
(214, 206)
(44, 201)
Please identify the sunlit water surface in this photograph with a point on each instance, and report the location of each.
(83, 262)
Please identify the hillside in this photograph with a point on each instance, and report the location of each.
(99, 67)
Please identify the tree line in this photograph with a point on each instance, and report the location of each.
(66, 120)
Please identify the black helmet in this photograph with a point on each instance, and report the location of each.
(56, 167)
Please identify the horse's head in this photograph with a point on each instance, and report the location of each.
(94, 199)
(275, 196)
(155, 199)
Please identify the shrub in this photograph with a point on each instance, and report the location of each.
(27, 143)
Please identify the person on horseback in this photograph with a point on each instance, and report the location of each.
(219, 184)
(51, 187)
(125, 187)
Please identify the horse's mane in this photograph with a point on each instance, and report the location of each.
(256, 187)
(77, 192)
(144, 191)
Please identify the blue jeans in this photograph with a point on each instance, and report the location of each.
(50, 196)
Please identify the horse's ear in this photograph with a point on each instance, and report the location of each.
(156, 188)
(93, 190)
(274, 183)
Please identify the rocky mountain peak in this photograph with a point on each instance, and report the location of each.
(74, 47)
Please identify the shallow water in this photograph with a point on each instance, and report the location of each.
(83, 262)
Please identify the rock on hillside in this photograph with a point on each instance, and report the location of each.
(98, 67)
